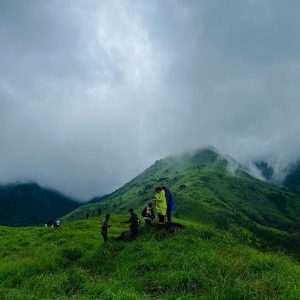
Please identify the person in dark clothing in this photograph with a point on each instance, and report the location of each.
(49, 223)
(170, 203)
(99, 211)
(87, 215)
(105, 227)
(134, 224)
(56, 223)
(148, 214)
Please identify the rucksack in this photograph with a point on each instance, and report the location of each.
(144, 212)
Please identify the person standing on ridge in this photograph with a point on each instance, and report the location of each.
(134, 224)
(148, 214)
(170, 203)
(161, 204)
(99, 212)
(105, 227)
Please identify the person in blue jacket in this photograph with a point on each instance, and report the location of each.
(170, 203)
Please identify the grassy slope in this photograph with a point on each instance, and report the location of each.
(199, 262)
(204, 190)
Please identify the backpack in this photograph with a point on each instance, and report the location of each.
(144, 212)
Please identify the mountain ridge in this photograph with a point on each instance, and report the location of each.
(211, 189)
(290, 180)
(27, 203)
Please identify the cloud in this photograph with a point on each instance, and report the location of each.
(93, 92)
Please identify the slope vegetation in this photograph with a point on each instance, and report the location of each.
(25, 204)
(198, 262)
(212, 189)
(292, 181)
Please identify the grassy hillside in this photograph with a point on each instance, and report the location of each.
(206, 189)
(292, 181)
(198, 262)
(25, 204)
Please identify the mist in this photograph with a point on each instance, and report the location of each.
(93, 92)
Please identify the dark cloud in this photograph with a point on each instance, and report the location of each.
(92, 92)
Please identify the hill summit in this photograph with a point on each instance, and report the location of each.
(212, 189)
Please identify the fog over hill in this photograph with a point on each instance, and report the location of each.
(92, 92)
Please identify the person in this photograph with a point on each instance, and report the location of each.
(160, 204)
(99, 211)
(50, 223)
(134, 224)
(56, 223)
(87, 215)
(105, 227)
(148, 214)
(170, 203)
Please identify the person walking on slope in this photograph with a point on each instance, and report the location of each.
(170, 203)
(105, 227)
(134, 224)
(148, 214)
(161, 204)
(99, 212)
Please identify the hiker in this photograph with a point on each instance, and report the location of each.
(161, 204)
(99, 211)
(170, 203)
(50, 223)
(148, 214)
(105, 227)
(87, 215)
(134, 224)
(56, 223)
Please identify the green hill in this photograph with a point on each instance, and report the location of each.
(212, 189)
(25, 204)
(292, 181)
(198, 262)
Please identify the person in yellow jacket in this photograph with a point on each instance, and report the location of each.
(160, 204)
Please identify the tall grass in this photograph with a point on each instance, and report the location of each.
(198, 262)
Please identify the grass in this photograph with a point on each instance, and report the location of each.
(198, 262)
(206, 191)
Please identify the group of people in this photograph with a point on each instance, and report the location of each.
(164, 205)
(53, 223)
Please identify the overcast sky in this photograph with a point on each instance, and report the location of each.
(92, 92)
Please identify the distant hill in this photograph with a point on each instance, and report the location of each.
(211, 189)
(291, 180)
(26, 204)
(266, 170)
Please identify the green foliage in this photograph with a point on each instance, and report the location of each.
(292, 181)
(198, 262)
(27, 204)
(206, 190)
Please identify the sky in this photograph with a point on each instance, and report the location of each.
(93, 92)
